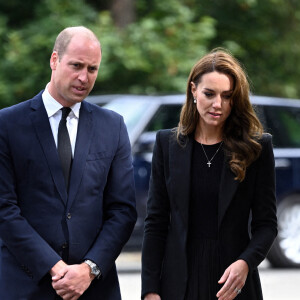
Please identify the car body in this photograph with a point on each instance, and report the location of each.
(144, 115)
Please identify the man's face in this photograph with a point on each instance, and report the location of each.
(74, 74)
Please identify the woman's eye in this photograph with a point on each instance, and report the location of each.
(227, 97)
(208, 95)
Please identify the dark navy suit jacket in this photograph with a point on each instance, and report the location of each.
(40, 222)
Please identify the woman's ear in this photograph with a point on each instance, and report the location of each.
(193, 88)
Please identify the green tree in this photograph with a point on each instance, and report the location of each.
(25, 51)
(156, 53)
(152, 55)
(265, 35)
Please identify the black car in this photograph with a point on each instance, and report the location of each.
(144, 115)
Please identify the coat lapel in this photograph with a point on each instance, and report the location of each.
(43, 131)
(180, 166)
(228, 187)
(83, 141)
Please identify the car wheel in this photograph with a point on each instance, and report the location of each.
(285, 252)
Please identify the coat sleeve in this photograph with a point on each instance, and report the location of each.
(119, 206)
(32, 252)
(264, 219)
(157, 219)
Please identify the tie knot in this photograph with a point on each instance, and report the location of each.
(65, 112)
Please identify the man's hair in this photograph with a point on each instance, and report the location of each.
(64, 38)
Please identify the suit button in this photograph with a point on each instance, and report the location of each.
(69, 216)
(64, 246)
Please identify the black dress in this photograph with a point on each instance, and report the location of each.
(203, 246)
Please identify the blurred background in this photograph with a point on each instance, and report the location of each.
(149, 47)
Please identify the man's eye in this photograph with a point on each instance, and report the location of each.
(93, 69)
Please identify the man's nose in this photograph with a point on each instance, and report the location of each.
(83, 76)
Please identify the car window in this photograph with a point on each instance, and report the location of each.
(131, 110)
(167, 116)
(284, 124)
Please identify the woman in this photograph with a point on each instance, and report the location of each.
(211, 176)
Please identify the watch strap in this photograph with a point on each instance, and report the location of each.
(94, 268)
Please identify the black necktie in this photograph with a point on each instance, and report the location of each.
(64, 145)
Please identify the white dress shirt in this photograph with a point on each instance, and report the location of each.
(54, 114)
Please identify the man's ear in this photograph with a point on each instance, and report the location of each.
(54, 60)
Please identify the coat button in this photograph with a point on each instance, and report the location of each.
(69, 216)
(64, 246)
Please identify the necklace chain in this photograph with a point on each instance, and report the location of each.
(209, 161)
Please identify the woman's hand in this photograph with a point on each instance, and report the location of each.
(234, 279)
(152, 296)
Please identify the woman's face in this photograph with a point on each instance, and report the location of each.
(213, 95)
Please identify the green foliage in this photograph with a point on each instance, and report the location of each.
(265, 36)
(156, 53)
(25, 51)
(153, 55)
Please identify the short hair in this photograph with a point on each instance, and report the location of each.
(64, 38)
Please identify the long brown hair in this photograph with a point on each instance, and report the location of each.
(242, 128)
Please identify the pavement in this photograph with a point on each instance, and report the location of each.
(129, 262)
(277, 284)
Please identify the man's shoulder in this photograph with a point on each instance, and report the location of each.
(21, 107)
(100, 111)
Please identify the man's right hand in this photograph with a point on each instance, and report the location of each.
(152, 296)
(59, 270)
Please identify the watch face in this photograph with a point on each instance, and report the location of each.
(94, 268)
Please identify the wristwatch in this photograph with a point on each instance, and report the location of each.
(94, 268)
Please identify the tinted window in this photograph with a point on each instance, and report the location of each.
(284, 124)
(167, 116)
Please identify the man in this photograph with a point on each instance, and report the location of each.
(67, 203)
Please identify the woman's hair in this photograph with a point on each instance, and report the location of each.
(242, 129)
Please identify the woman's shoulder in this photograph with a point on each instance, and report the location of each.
(266, 138)
(166, 134)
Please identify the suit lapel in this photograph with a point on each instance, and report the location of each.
(180, 166)
(43, 131)
(228, 187)
(83, 141)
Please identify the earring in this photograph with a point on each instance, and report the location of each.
(195, 101)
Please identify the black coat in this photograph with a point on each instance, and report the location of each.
(164, 260)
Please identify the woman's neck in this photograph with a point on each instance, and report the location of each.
(208, 136)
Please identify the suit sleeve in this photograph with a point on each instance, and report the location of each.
(264, 219)
(119, 207)
(156, 222)
(31, 251)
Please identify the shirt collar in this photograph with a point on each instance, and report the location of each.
(52, 106)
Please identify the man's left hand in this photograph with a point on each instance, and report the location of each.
(75, 282)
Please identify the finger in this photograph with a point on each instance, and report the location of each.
(59, 276)
(224, 276)
(227, 288)
(56, 277)
(230, 293)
